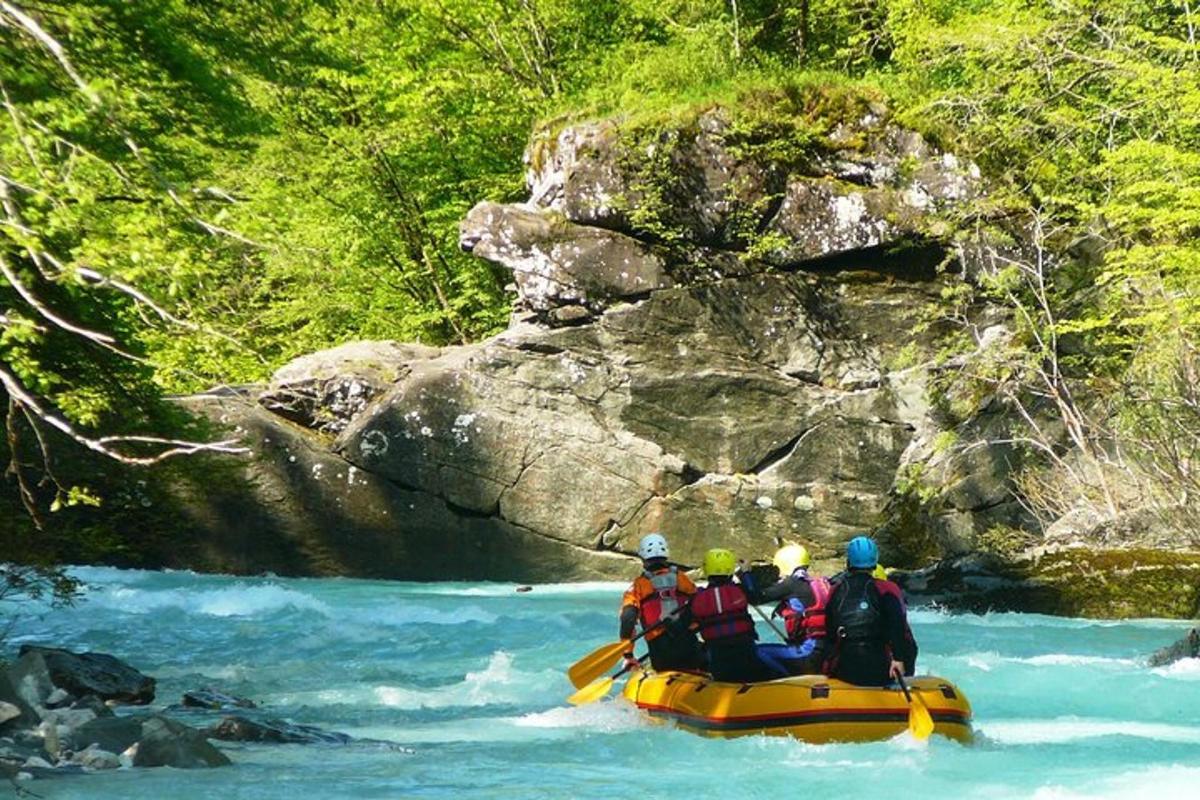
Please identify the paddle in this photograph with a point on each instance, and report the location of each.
(598, 689)
(769, 621)
(604, 658)
(920, 721)
(596, 663)
(744, 577)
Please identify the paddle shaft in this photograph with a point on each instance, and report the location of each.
(904, 688)
(674, 615)
(599, 688)
(603, 658)
(770, 622)
(641, 660)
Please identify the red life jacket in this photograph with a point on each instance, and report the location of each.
(813, 623)
(722, 613)
(664, 600)
(809, 623)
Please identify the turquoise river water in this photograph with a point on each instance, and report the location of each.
(469, 679)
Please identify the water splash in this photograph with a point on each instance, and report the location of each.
(238, 600)
(1187, 669)
(1154, 783)
(1072, 729)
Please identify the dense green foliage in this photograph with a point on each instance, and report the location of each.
(221, 186)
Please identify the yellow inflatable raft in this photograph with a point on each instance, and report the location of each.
(811, 707)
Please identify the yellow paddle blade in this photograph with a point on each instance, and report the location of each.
(920, 721)
(595, 664)
(591, 693)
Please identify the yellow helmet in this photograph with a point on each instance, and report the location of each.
(880, 573)
(719, 561)
(790, 558)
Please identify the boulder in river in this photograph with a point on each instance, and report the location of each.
(150, 741)
(167, 743)
(114, 734)
(215, 700)
(11, 696)
(16, 751)
(41, 670)
(1187, 647)
(94, 758)
(8, 711)
(244, 729)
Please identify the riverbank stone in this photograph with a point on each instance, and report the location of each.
(244, 729)
(94, 758)
(1186, 647)
(167, 743)
(215, 700)
(44, 669)
(152, 741)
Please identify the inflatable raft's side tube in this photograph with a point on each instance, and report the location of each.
(813, 708)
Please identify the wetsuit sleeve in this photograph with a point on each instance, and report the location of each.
(684, 622)
(629, 617)
(803, 592)
(894, 625)
(831, 615)
(631, 604)
(774, 593)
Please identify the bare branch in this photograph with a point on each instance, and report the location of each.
(48, 313)
(30, 25)
(1191, 28)
(20, 130)
(107, 445)
(17, 469)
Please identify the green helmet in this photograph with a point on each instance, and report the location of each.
(719, 561)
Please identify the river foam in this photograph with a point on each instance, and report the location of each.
(989, 661)
(1071, 729)
(238, 600)
(1153, 783)
(497, 683)
(1184, 669)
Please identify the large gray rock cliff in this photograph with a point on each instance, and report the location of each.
(728, 349)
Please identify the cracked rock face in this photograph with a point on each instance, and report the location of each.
(722, 398)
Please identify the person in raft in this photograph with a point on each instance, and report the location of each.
(659, 592)
(909, 655)
(721, 612)
(865, 621)
(800, 600)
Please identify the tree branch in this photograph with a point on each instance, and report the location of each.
(107, 445)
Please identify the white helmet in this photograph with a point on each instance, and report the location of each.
(653, 545)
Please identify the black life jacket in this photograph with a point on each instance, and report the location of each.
(859, 616)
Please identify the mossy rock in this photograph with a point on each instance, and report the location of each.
(908, 538)
(1118, 583)
(1074, 582)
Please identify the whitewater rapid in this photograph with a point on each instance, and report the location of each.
(469, 680)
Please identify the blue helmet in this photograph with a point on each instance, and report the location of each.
(862, 553)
